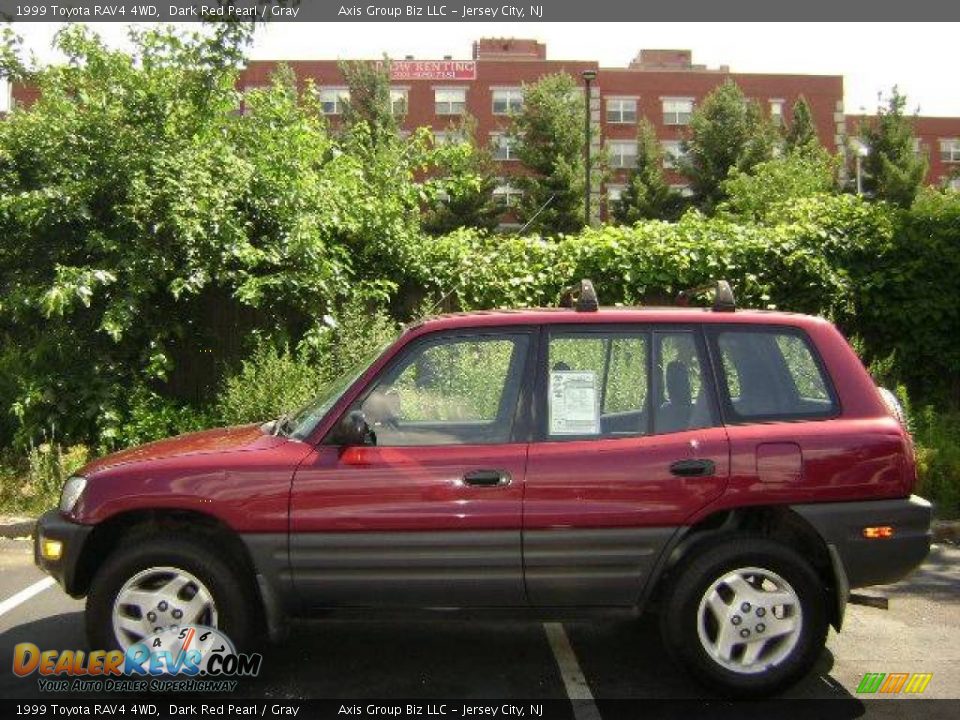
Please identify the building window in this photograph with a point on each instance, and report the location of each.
(950, 150)
(504, 147)
(954, 183)
(448, 137)
(623, 153)
(621, 110)
(614, 193)
(507, 101)
(672, 153)
(450, 101)
(398, 101)
(776, 111)
(332, 99)
(507, 196)
(677, 111)
(683, 190)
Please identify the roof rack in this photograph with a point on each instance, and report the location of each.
(582, 297)
(723, 299)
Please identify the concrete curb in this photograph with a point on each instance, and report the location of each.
(17, 527)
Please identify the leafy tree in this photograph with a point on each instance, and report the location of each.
(460, 194)
(148, 227)
(549, 138)
(369, 102)
(802, 133)
(804, 172)
(727, 132)
(647, 194)
(892, 169)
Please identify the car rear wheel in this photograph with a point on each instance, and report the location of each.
(747, 617)
(161, 582)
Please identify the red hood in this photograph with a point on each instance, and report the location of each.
(241, 437)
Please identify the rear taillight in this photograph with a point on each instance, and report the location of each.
(893, 405)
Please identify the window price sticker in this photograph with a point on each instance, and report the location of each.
(574, 406)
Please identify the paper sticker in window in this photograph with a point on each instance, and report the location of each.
(574, 406)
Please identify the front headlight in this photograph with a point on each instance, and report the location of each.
(72, 490)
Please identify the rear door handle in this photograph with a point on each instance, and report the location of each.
(693, 468)
(487, 478)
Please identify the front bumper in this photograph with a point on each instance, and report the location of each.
(73, 536)
(874, 561)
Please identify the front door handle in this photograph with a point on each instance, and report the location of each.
(693, 468)
(487, 478)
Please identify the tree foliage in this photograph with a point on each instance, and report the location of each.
(549, 137)
(892, 168)
(148, 225)
(727, 132)
(647, 194)
(801, 135)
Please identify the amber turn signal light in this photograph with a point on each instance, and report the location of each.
(878, 531)
(51, 549)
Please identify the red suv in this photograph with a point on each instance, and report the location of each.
(737, 471)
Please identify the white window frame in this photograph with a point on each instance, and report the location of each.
(618, 107)
(506, 195)
(503, 146)
(950, 150)
(672, 153)
(620, 159)
(448, 137)
(954, 183)
(684, 190)
(510, 97)
(677, 110)
(615, 192)
(335, 96)
(445, 100)
(399, 94)
(776, 110)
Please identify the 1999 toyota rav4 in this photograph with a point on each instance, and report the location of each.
(736, 471)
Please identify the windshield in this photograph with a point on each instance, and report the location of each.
(303, 422)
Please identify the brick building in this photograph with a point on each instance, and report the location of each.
(662, 85)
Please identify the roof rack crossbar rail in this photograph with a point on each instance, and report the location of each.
(581, 297)
(723, 299)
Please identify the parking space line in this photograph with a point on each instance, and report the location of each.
(28, 592)
(574, 682)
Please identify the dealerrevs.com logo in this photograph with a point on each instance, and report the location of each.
(190, 658)
(892, 683)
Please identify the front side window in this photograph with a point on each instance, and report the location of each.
(451, 391)
(450, 101)
(772, 374)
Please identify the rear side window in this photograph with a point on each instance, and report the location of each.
(771, 374)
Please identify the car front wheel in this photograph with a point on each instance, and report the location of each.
(747, 617)
(157, 583)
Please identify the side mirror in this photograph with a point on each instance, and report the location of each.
(353, 430)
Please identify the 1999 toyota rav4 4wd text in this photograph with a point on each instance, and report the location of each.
(736, 471)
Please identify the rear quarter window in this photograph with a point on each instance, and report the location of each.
(771, 374)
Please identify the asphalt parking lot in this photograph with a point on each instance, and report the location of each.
(586, 661)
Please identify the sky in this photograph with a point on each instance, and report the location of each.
(872, 57)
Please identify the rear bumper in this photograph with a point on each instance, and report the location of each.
(877, 561)
(73, 536)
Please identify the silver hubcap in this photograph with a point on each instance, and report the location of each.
(158, 598)
(749, 620)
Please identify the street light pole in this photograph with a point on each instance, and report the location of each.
(588, 77)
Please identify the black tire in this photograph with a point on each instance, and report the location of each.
(679, 616)
(231, 591)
